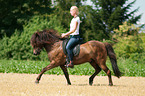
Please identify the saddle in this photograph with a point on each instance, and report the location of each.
(76, 49)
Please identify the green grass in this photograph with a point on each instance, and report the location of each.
(132, 68)
(128, 67)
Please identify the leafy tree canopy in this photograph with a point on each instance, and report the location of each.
(15, 13)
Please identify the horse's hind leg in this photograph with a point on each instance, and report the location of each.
(66, 74)
(97, 70)
(107, 71)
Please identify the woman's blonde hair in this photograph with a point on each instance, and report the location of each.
(75, 8)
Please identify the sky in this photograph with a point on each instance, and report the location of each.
(138, 3)
(141, 5)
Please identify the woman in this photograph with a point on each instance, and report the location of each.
(74, 34)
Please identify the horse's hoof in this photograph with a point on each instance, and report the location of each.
(91, 83)
(68, 83)
(37, 82)
(110, 84)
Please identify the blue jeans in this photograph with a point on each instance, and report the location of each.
(73, 41)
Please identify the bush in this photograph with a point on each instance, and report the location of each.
(129, 47)
(129, 43)
(18, 45)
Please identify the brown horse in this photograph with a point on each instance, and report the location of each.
(94, 52)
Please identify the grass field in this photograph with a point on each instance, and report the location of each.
(127, 66)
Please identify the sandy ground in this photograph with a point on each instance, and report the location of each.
(52, 85)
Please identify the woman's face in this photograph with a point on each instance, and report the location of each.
(73, 12)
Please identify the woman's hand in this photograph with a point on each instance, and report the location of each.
(63, 35)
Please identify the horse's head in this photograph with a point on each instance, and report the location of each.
(36, 43)
(42, 38)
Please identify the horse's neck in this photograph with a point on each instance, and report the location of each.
(48, 48)
(53, 49)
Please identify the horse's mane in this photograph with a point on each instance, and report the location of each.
(45, 36)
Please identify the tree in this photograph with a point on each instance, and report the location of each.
(113, 13)
(89, 28)
(62, 10)
(91, 24)
(14, 13)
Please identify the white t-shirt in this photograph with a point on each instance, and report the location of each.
(77, 19)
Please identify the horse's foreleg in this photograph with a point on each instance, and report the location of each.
(97, 70)
(66, 74)
(50, 66)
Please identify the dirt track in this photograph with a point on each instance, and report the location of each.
(53, 85)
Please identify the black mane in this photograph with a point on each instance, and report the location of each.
(45, 36)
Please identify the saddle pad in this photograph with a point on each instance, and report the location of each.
(76, 49)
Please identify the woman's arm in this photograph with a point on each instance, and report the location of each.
(71, 31)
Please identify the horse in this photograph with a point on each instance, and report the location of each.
(93, 51)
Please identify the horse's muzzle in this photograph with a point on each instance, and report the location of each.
(36, 52)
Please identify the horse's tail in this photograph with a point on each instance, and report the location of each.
(112, 56)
